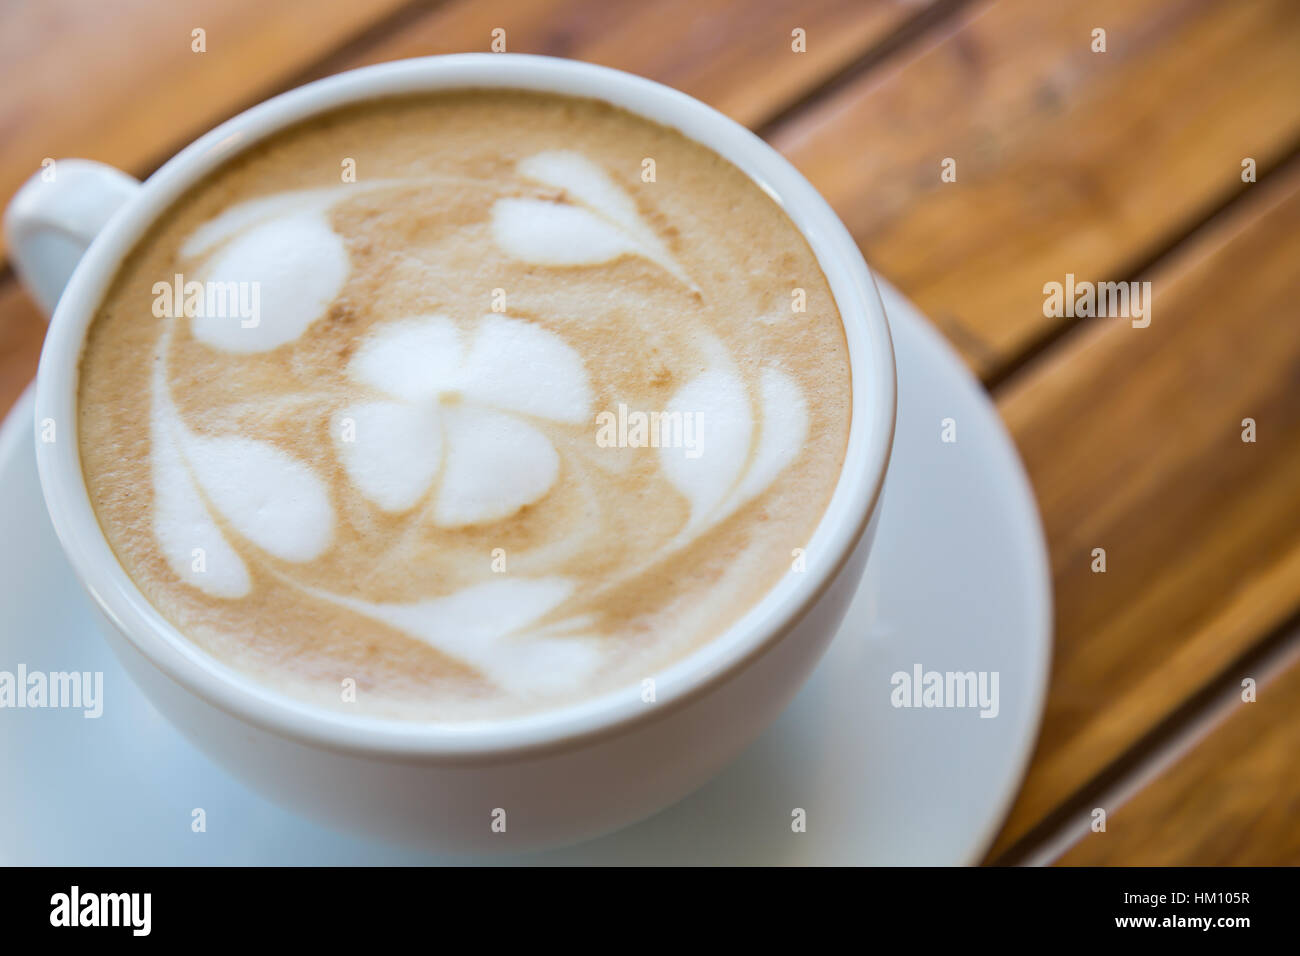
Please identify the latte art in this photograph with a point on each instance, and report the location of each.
(393, 477)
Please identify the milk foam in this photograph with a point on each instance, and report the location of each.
(297, 262)
(487, 626)
(493, 462)
(605, 226)
(455, 415)
(190, 540)
(467, 436)
(268, 498)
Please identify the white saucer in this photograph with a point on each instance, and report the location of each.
(958, 581)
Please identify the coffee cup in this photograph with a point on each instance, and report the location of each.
(516, 782)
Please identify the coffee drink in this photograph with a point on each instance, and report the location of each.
(460, 406)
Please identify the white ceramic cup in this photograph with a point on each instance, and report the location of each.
(561, 775)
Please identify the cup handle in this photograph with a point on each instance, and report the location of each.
(53, 218)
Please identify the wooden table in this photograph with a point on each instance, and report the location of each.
(1114, 165)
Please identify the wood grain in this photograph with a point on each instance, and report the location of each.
(22, 330)
(1067, 160)
(137, 91)
(135, 110)
(1133, 442)
(736, 57)
(1232, 801)
(119, 82)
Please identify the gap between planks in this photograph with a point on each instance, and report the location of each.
(908, 32)
(1158, 752)
(1057, 338)
(915, 30)
(1147, 758)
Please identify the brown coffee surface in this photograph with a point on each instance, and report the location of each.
(511, 272)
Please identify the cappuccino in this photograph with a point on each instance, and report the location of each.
(466, 405)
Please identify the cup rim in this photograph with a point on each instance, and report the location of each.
(845, 519)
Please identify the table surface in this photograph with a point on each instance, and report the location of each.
(1122, 164)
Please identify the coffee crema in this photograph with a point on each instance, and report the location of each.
(458, 406)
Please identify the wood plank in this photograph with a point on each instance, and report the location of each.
(22, 330)
(1207, 568)
(140, 91)
(1232, 801)
(1068, 161)
(119, 82)
(735, 56)
(1133, 442)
